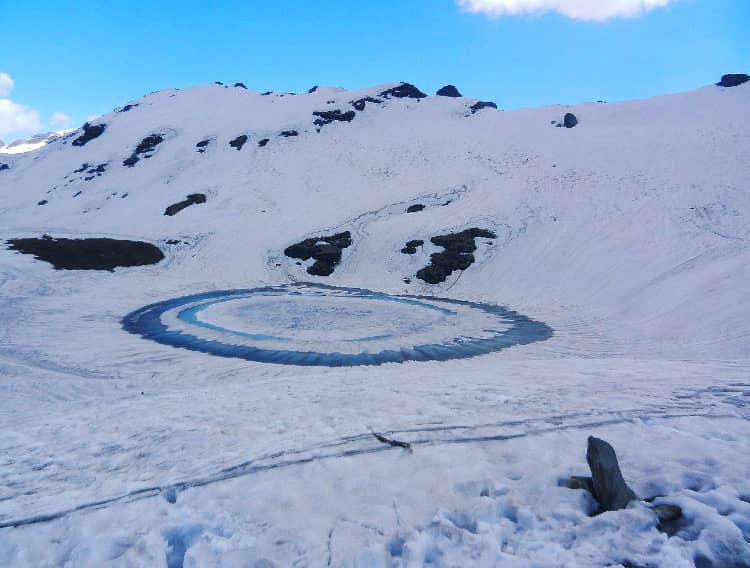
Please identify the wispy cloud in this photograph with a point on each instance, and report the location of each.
(18, 119)
(591, 10)
(60, 119)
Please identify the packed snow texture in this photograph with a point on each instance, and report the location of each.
(627, 235)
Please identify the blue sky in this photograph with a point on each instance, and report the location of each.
(79, 58)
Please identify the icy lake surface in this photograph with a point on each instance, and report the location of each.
(313, 324)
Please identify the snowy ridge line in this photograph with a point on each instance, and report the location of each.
(256, 466)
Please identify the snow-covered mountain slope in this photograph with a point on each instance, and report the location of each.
(636, 217)
(627, 234)
(32, 143)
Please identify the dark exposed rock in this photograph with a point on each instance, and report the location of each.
(411, 246)
(90, 131)
(263, 142)
(218, 83)
(326, 251)
(42, 202)
(359, 104)
(88, 254)
(4, 167)
(733, 80)
(129, 107)
(579, 482)
(93, 171)
(239, 142)
(266, 93)
(312, 89)
(479, 105)
(192, 199)
(669, 517)
(174, 242)
(144, 149)
(415, 208)
(448, 91)
(82, 168)
(456, 256)
(202, 145)
(240, 85)
(404, 90)
(288, 133)
(329, 116)
(610, 489)
(569, 120)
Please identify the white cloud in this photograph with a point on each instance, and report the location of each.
(16, 118)
(592, 10)
(6, 84)
(60, 119)
(21, 120)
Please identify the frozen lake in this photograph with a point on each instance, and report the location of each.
(313, 324)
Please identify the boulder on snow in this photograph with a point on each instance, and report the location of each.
(416, 208)
(4, 167)
(241, 85)
(569, 120)
(733, 80)
(192, 199)
(610, 489)
(479, 105)
(238, 142)
(448, 91)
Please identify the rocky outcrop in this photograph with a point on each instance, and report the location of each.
(610, 489)
(479, 105)
(88, 254)
(90, 132)
(456, 256)
(733, 80)
(328, 116)
(448, 91)
(144, 149)
(325, 251)
(403, 91)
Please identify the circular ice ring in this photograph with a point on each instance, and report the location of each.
(157, 322)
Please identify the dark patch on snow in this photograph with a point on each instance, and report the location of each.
(326, 251)
(417, 207)
(448, 91)
(88, 254)
(82, 168)
(202, 145)
(456, 256)
(192, 199)
(288, 133)
(144, 149)
(240, 85)
(733, 80)
(4, 167)
(174, 242)
(479, 105)
(359, 104)
(403, 91)
(411, 246)
(129, 107)
(89, 133)
(93, 171)
(263, 142)
(569, 121)
(312, 89)
(42, 202)
(239, 142)
(266, 93)
(329, 116)
(218, 83)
